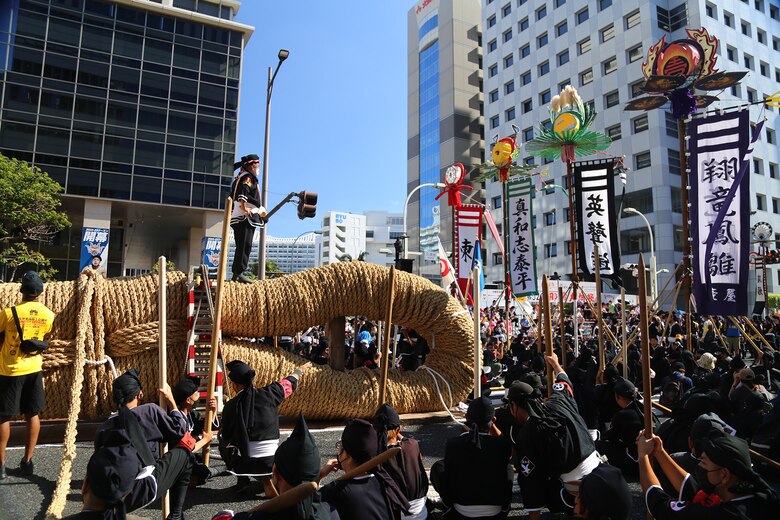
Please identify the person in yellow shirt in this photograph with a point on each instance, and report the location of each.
(21, 381)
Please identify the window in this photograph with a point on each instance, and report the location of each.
(642, 160)
(563, 57)
(528, 105)
(761, 36)
(635, 53)
(748, 59)
(492, 45)
(509, 114)
(752, 95)
(763, 67)
(746, 29)
(674, 161)
(507, 35)
(506, 10)
(493, 96)
(672, 127)
(523, 24)
(494, 122)
(760, 202)
(728, 19)
(509, 87)
(525, 51)
(632, 19)
(508, 61)
(775, 44)
(759, 5)
(491, 21)
(775, 205)
(550, 250)
(772, 171)
(583, 46)
(672, 19)
(639, 124)
(541, 12)
(635, 88)
(549, 218)
(586, 77)
(562, 85)
(525, 79)
(758, 166)
(496, 202)
(492, 70)
(562, 28)
(559, 3)
(611, 99)
(582, 16)
(544, 68)
(774, 12)
(731, 53)
(711, 11)
(736, 91)
(614, 132)
(607, 33)
(541, 41)
(528, 134)
(603, 4)
(609, 66)
(497, 259)
(770, 136)
(544, 97)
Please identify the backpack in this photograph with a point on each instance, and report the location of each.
(671, 393)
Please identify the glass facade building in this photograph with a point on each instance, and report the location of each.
(429, 143)
(118, 101)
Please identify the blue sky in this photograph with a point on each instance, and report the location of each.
(338, 114)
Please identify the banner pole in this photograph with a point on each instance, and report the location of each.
(548, 340)
(686, 233)
(477, 339)
(599, 320)
(573, 251)
(162, 345)
(647, 388)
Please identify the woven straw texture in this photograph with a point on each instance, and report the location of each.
(118, 317)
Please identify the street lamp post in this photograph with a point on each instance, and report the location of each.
(653, 270)
(437, 185)
(283, 54)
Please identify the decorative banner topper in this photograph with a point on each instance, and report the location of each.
(567, 135)
(453, 180)
(502, 159)
(675, 69)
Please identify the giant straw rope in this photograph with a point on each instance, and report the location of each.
(117, 317)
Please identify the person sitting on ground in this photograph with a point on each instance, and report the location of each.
(406, 468)
(603, 495)
(371, 495)
(725, 485)
(147, 425)
(748, 404)
(474, 479)
(186, 394)
(249, 434)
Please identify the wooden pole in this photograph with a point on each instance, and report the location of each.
(216, 335)
(562, 325)
(287, 499)
(162, 358)
(573, 251)
(685, 231)
(745, 334)
(624, 350)
(507, 278)
(548, 339)
(386, 343)
(335, 332)
(539, 329)
(647, 387)
(761, 336)
(599, 319)
(477, 338)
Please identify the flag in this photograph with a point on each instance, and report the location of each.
(468, 224)
(477, 264)
(595, 216)
(491, 225)
(447, 271)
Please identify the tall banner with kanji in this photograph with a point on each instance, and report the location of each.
(761, 286)
(719, 149)
(521, 249)
(468, 224)
(594, 184)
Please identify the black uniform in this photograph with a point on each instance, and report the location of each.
(245, 189)
(619, 442)
(662, 506)
(408, 471)
(360, 498)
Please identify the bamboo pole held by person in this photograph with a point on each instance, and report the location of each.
(647, 387)
(386, 343)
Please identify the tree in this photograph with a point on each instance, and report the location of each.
(169, 266)
(29, 212)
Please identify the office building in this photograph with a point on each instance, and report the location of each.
(531, 50)
(382, 231)
(132, 106)
(290, 254)
(444, 117)
(343, 237)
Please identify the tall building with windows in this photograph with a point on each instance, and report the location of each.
(382, 230)
(132, 106)
(444, 116)
(343, 237)
(532, 49)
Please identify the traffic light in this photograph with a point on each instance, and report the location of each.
(772, 257)
(307, 204)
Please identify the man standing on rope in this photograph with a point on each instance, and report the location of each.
(248, 213)
(21, 382)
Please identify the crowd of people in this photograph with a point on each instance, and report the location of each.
(571, 447)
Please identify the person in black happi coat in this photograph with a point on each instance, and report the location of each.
(474, 478)
(619, 441)
(406, 468)
(370, 496)
(248, 213)
(249, 434)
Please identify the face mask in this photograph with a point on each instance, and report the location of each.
(704, 483)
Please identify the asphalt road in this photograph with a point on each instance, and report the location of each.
(28, 497)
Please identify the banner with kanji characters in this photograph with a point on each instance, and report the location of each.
(521, 249)
(594, 186)
(94, 249)
(468, 224)
(761, 286)
(719, 147)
